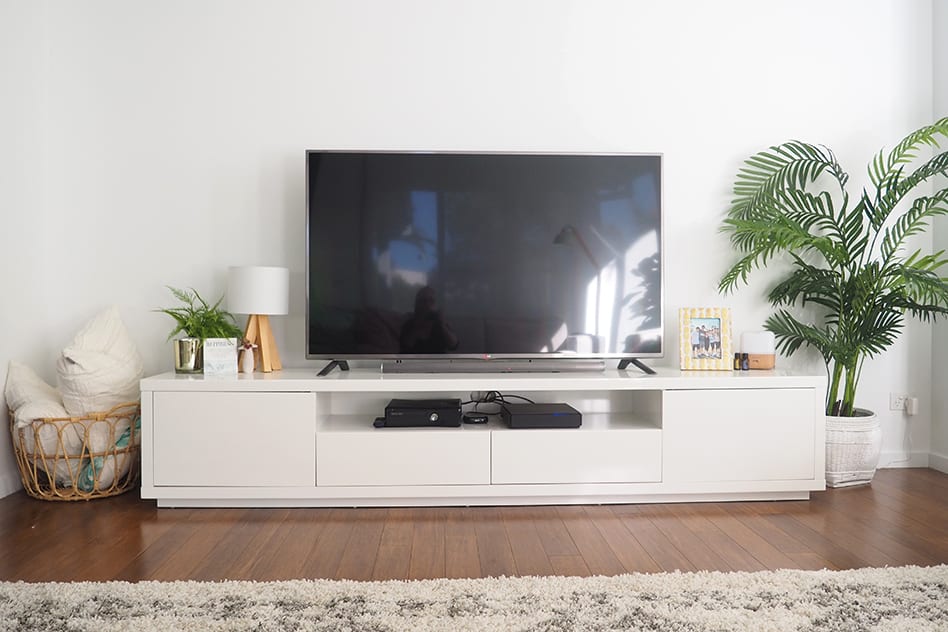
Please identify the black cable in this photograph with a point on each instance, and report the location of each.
(494, 397)
(503, 397)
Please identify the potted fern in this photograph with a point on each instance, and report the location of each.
(850, 263)
(198, 321)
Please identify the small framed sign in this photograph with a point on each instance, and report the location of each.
(704, 338)
(220, 356)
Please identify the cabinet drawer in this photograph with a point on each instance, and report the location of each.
(234, 439)
(576, 456)
(739, 435)
(403, 456)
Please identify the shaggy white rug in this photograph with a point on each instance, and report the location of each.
(907, 598)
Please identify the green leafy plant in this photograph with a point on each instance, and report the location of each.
(848, 260)
(196, 318)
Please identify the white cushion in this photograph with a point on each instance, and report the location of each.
(101, 471)
(24, 386)
(38, 409)
(30, 398)
(101, 368)
(56, 439)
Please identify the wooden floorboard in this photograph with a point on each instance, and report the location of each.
(622, 540)
(529, 556)
(695, 518)
(427, 544)
(901, 519)
(698, 553)
(326, 553)
(394, 553)
(285, 555)
(460, 544)
(596, 552)
(755, 517)
(493, 548)
(655, 543)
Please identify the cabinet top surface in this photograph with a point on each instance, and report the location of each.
(371, 380)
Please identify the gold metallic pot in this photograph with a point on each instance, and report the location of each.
(188, 355)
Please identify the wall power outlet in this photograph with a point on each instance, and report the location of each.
(901, 401)
(897, 401)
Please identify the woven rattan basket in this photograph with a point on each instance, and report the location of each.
(79, 458)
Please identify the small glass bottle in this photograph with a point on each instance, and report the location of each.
(745, 362)
(737, 361)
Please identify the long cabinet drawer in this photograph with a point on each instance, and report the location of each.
(234, 439)
(403, 456)
(576, 456)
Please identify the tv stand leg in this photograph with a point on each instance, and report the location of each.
(342, 364)
(645, 369)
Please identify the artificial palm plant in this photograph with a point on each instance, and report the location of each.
(849, 258)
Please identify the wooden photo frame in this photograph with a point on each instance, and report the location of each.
(704, 338)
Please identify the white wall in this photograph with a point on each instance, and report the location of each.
(175, 131)
(939, 436)
(25, 291)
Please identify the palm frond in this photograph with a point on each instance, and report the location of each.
(738, 273)
(819, 226)
(807, 284)
(895, 188)
(878, 331)
(913, 222)
(906, 151)
(917, 282)
(787, 166)
(761, 241)
(790, 334)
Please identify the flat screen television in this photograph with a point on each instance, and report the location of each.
(483, 256)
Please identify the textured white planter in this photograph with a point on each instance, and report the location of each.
(852, 448)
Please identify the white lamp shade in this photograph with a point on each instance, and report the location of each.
(258, 290)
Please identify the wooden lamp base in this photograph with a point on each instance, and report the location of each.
(258, 332)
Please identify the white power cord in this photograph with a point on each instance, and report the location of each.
(906, 438)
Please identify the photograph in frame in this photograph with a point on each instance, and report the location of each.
(705, 338)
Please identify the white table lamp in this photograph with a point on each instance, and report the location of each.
(260, 291)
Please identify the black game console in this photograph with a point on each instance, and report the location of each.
(540, 415)
(414, 413)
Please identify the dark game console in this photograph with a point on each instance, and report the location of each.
(414, 413)
(540, 416)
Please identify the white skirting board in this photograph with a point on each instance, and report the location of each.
(902, 459)
(938, 462)
(10, 484)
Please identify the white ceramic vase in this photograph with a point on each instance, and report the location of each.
(246, 361)
(852, 448)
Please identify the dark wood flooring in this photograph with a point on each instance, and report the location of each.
(902, 518)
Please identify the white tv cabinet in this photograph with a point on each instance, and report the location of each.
(291, 438)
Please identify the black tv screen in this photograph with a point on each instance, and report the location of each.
(421, 255)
